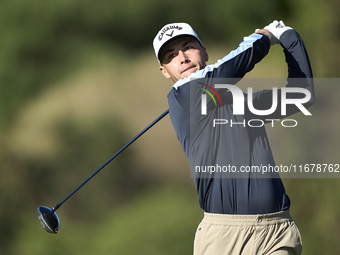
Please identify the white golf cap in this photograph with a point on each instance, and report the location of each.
(170, 33)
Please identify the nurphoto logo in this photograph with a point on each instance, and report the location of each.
(239, 104)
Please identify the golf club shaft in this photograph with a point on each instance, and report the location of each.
(107, 162)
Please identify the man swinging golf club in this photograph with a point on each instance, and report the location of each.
(242, 214)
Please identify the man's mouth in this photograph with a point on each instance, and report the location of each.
(188, 68)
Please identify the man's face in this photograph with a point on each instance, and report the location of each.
(182, 58)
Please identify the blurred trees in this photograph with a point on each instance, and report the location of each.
(44, 41)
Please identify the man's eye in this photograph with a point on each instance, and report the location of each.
(171, 56)
(189, 48)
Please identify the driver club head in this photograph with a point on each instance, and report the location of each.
(49, 219)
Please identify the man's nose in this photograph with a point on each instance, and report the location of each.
(183, 57)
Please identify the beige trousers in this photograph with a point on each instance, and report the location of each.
(274, 234)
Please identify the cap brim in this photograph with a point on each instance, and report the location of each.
(172, 40)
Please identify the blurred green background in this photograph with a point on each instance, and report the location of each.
(79, 79)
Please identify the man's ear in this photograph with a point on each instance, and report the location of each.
(164, 72)
(205, 54)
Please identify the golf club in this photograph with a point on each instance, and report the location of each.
(49, 219)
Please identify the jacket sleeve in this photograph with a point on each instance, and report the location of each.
(299, 76)
(251, 50)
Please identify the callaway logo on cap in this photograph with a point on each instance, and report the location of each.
(170, 33)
